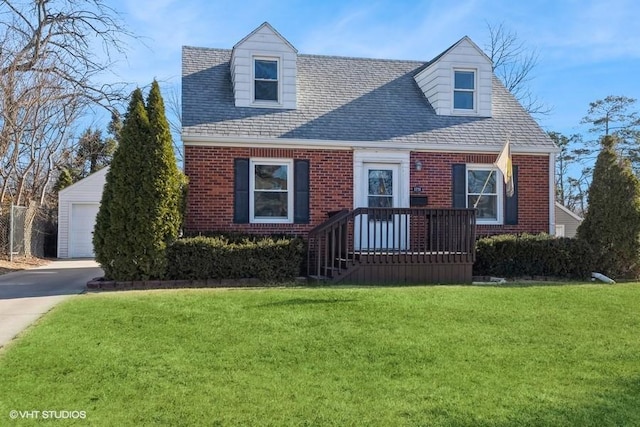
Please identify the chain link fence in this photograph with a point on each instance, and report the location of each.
(27, 231)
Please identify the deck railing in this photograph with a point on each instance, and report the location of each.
(391, 235)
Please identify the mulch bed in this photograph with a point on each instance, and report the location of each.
(99, 284)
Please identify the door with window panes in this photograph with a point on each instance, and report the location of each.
(380, 230)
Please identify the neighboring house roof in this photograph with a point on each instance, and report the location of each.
(568, 219)
(90, 180)
(569, 212)
(348, 99)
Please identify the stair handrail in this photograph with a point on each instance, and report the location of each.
(338, 217)
(338, 222)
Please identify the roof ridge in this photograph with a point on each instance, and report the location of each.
(207, 48)
(313, 55)
(362, 58)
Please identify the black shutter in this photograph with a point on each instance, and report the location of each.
(241, 191)
(459, 184)
(301, 191)
(511, 203)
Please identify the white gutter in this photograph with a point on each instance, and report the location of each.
(249, 141)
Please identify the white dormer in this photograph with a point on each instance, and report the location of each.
(263, 70)
(458, 82)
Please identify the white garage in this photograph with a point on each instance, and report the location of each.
(78, 206)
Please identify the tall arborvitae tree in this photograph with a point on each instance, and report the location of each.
(612, 223)
(166, 177)
(139, 214)
(121, 235)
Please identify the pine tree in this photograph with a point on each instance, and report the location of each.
(612, 223)
(94, 152)
(65, 179)
(115, 126)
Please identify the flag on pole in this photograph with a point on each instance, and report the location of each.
(503, 162)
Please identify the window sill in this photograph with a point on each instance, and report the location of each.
(478, 222)
(460, 112)
(270, 221)
(266, 104)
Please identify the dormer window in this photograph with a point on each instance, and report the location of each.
(464, 90)
(264, 70)
(265, 79)
(459, 82)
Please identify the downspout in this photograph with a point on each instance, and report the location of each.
(552, 194)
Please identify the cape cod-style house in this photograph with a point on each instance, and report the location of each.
(378, 163)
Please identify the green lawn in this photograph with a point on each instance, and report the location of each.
(429, 356)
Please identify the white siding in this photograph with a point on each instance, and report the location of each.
(436, 80)
(568, 219)
(264, 42)
(86, 192)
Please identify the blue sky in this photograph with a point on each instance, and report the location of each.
(587, 49)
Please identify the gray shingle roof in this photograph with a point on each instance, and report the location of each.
(346, 99)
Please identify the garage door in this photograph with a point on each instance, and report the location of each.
(83, 219)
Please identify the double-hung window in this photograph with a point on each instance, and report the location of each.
(265, 75)
(484, 186)
(271, 191)
(464, 89)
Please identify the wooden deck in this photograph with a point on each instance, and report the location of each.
(394, 245)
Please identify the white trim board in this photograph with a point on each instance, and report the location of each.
(402, 158)
(319, 144)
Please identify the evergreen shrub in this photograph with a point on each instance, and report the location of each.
(266, 258)
(140, 208)
(612, 223)
(512, 255)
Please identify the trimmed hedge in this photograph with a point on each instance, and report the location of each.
(533, 255)
(238, 237)
(265, 258)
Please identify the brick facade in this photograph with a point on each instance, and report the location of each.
(210, 196)
(533, 187)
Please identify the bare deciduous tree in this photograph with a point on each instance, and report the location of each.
(35, 140)
(570, 161)
(50, 71)
(514, 63)
(576, 197)
(174, 116)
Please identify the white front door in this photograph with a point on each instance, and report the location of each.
(381, 190)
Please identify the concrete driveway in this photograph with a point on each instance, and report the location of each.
(27, 294)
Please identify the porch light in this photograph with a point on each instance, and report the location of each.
(418, 165)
